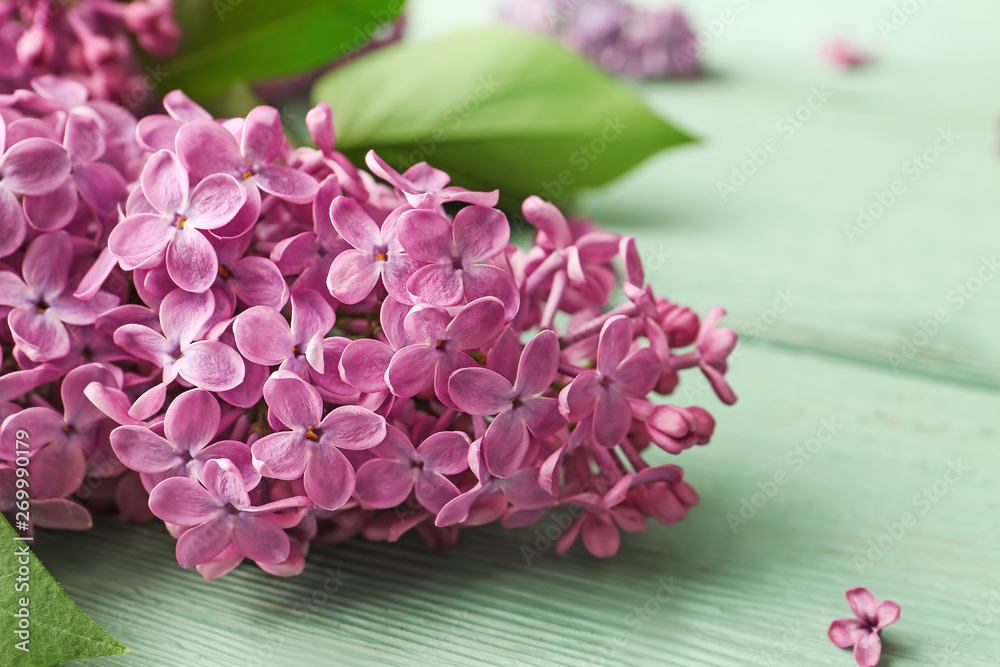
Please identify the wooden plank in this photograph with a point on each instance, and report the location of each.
(764, 595)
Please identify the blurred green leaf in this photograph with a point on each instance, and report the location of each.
(226, 42)
(495, 108)
(57, 631)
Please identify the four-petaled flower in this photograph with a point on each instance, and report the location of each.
(311, 447)
(863, 632)
(518, 408)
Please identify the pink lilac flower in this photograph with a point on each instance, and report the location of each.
(220, 513)
(205, 148)
(426, 187)
(518, 407)
(398, 469)
(42, 302)
(863, 632)
(207, 364)
(442, 345)
(191, 424)
(844, 54)
(452, 253)
(618, 36)
(31, 167)
(605, 392)
(311, 448)
(275, 349)
(376, 256)
(175, 226)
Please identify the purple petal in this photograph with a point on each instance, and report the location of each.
(215, 202)
(847, 632)
(183, 314)
(286, 183)
(211, 365)
(478, 323)
(426, 323)
(364, 364)
(205, 148)
(60, 514)
(47, 263)
(192, 420)
(539, 364)
(438, 284)
(638, 374)
(191, 261)
(612, 418)
(157, 132)
(13, 225)
(140, 236)
(868, 650)
(542, 417)
(577, 399)
(259, 540)
(383, 483)
(224, 481)
(142, 450)
(862, 603)
(263, 336)
(34, 167)
(352, 427)
(311, 315)
(101, 186)
(426, 236)
(262, 135)
(481, 233)
(258, 282)
(53, 211)
(434, 491)
(144, 343)
(13, 291)
(282, 455)
(203, 542)
(615, 341)
(165, 183)
(505, 444)
(329, 478)
(294, 402)
(600, 536)
(446, 452)
(549, 221)
(886, 614)
(480, 391)
(41, 336)
(353, 275)
(483, 280)
(356, 226)
(411, 370)
(183, 501)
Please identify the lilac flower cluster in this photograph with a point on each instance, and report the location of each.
(619, 37)
(267, 347)
(88, 41)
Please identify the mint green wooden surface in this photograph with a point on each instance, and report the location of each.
(816, 375)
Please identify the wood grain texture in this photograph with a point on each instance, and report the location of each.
(766, 594)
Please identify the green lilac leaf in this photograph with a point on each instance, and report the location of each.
(494, 108)
(59, 631)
